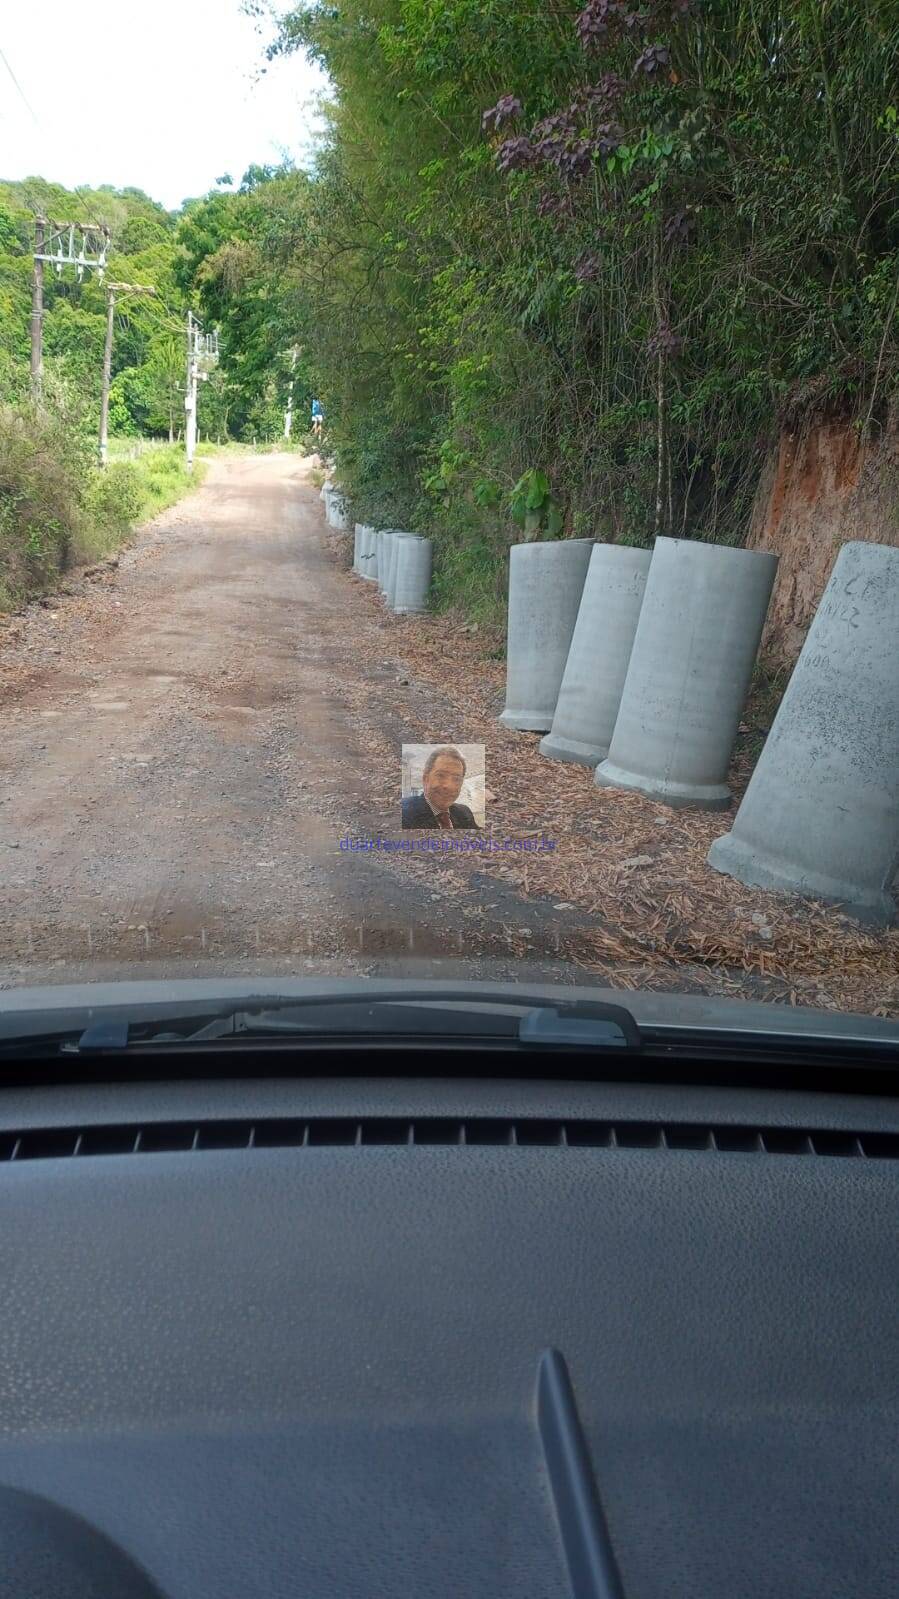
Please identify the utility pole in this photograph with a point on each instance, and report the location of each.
(111, 291)
(37, 313)
(190, 397)
(288, 414)
(82, 246)
(201, 348)
(107, 374)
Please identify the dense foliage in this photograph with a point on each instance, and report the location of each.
(559, 268)
(224, 265)
(163, 250)
(142, 239)
(56, 505)
(570, 264)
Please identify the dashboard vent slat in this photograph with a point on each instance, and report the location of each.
(524, 1132)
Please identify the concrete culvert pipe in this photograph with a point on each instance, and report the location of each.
(821, 814)
(399, 537)
(367, 555)
(696, 641)
(545, 586)
(361, 543)
(339, 512)
(413, 576)
(389, 540)
(598, 658)
(382, 541)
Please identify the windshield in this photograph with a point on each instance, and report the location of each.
(449, 521)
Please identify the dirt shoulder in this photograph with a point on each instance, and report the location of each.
(188, 736)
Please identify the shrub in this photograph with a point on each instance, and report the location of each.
(43, 470)
(57, 506)
(115, 497)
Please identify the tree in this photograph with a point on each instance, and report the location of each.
(231, 259)
(603, 245)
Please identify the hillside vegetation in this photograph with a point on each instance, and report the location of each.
(576, 265)
(56, 506)
(556, 270)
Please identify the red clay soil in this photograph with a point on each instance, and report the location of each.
(821, 487)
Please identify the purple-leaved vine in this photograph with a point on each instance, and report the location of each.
(507, 108)
(652, 60)
(664, 342)
(515, 155)
(588, 268)
(678, 228)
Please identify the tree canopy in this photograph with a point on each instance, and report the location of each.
(557, 265)
(578, 261)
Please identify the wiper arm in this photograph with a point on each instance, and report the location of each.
(591, 1026)
(516, 1021)
(452, 1013)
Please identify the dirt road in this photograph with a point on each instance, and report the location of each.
(187, 735)
(184, 739)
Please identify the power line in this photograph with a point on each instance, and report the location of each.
(78, 189)
(18, 85)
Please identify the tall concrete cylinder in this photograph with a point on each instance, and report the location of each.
(385, 541)
(338, 511)
(389, 557)
(413, 576)
(357, 547)
(367, 554)
(400, 537)
(821, 814)
(598, 658)
(699, 629)
(389, 553)
(545, 586)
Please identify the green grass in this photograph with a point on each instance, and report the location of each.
(136, 485)
(471, 570)
(59, 509)
(164, 479)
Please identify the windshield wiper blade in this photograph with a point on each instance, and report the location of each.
(452, 1014)
(521, 1020)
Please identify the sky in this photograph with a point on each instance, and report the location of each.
(166, 98)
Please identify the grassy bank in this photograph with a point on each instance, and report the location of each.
(150, 475)
(58, 509)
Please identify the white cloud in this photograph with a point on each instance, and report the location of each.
(166, 98)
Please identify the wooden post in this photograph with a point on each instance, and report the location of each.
(107, 375)
(37, 314)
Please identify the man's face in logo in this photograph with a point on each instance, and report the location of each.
(443, 784)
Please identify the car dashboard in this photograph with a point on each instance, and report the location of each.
(433, 1336)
